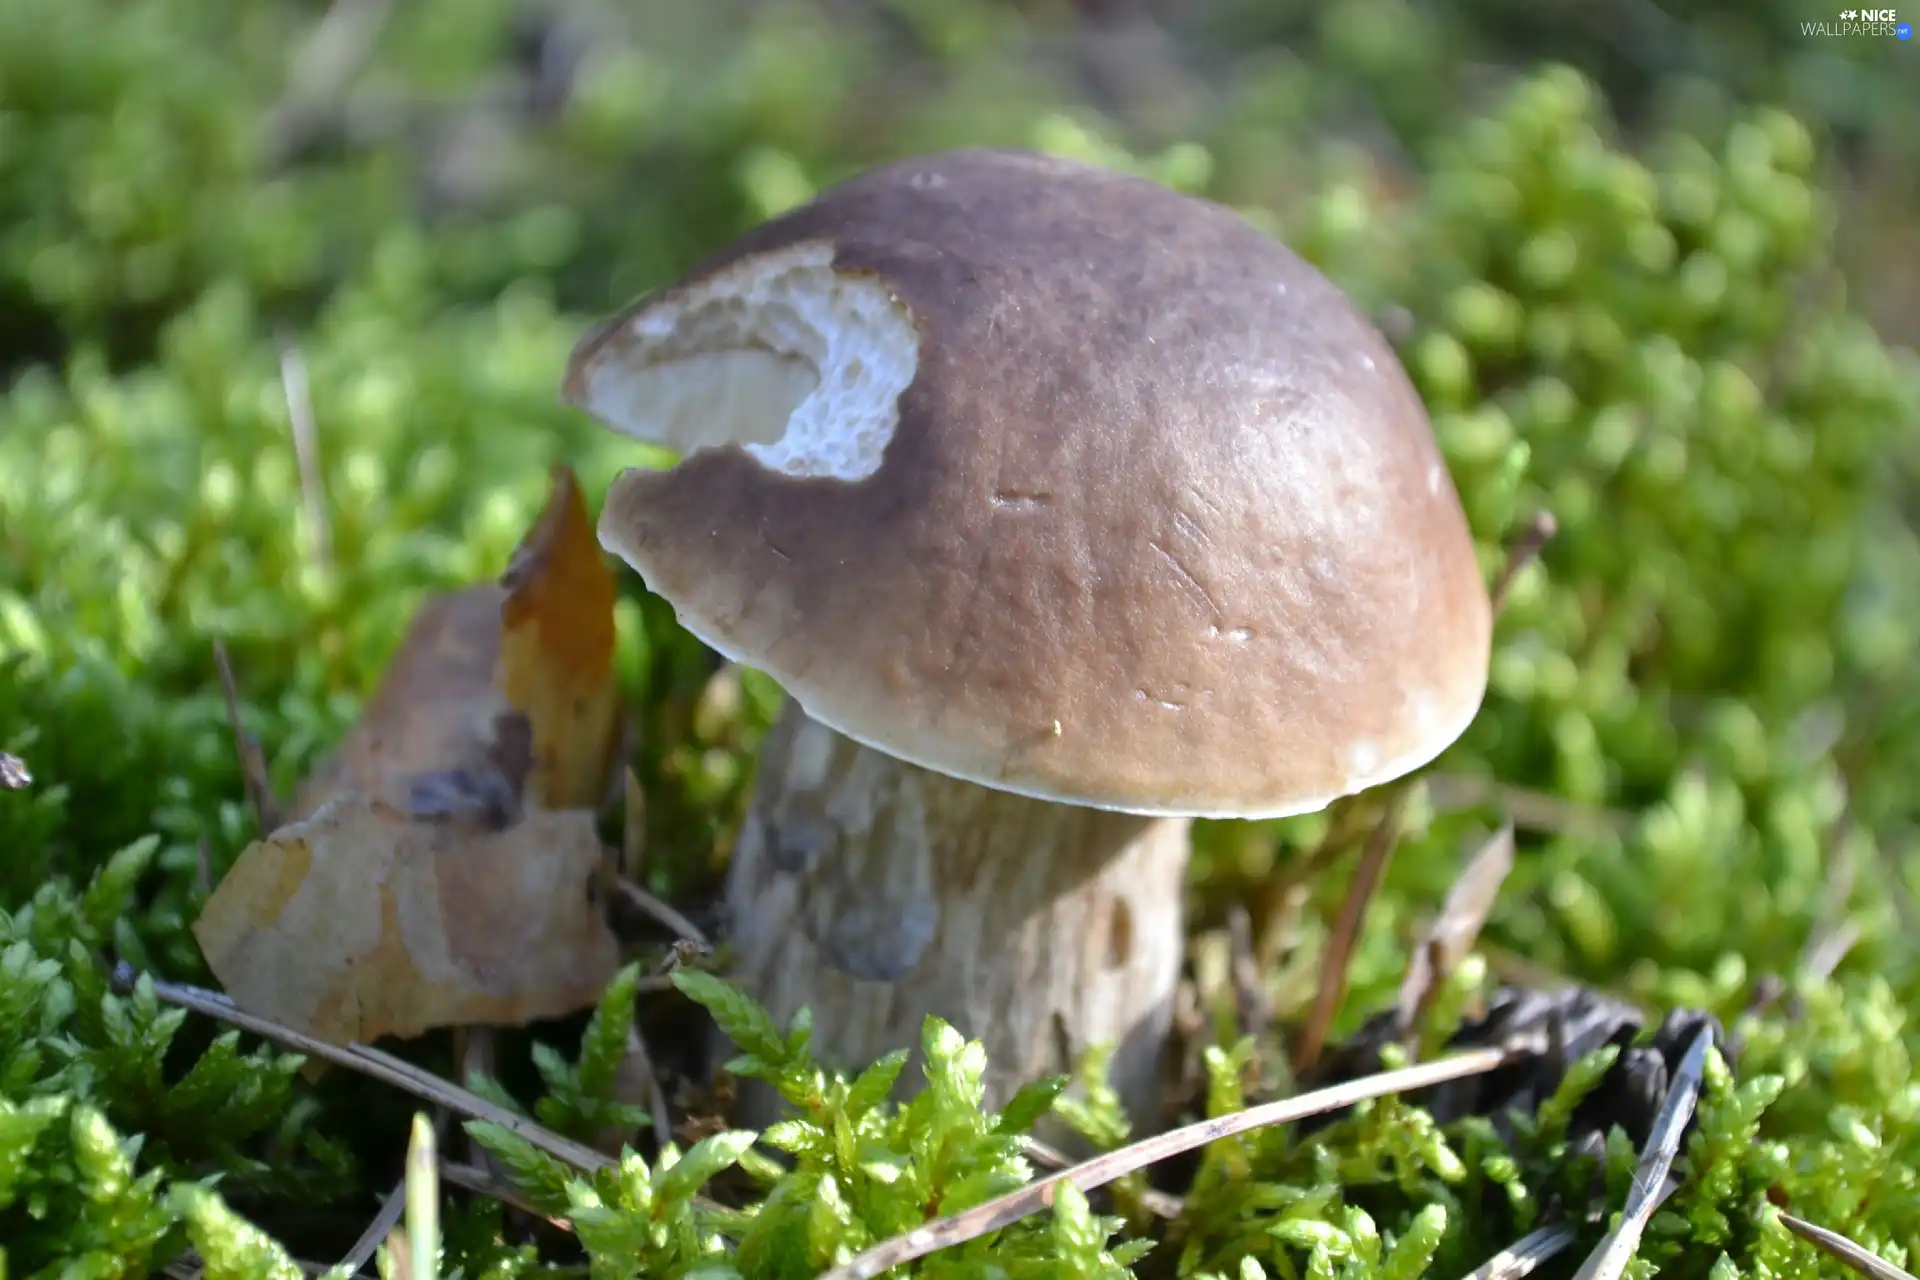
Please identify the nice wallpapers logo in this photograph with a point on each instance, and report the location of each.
(1862, 22)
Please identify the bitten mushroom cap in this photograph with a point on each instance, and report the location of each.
(1054, 480)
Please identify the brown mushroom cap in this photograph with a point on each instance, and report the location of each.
(1055, 480)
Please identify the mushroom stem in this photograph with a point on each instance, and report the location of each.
(875, 893)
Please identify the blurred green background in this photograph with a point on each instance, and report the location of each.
(1653, 266)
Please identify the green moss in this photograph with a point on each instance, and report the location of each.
(1657, 334)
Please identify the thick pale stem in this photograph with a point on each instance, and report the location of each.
(876, 893)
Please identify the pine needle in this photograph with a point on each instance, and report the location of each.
(1526, 1254)
(662, 913)
(376, 1065)
(1855, 1256)
(1045, 1156)
(944, 1233)
(253, 765)
(1523, 551)
(377, 1231)
(306, 451)
(482, 1182)
(1452, 934)
(1338, 955)
(1610, 1258)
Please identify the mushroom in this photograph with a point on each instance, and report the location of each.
(1066, 509)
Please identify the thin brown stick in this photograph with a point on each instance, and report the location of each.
(481, 1182)
(1346, 930)
(377, 1231)
(1856, 1256)
(191, 1266)
(1827, 948)
(391, 1210)
(656, 1095)
(1454, 931)
(661, 912)
(376, 1065)
(1252, 1009)
(1037, 1196)
(1523, 551)
(1158, 1203)
(633, 830)
(1528, 810)
(1836, 933)
(202, 867)
(253, 765)
(1524, 1256)
(306, 453)
(1271, 905)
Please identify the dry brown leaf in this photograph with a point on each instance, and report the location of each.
(556, 653)
(362, 921)
(434, 709)
(439, 865)
(540, 642)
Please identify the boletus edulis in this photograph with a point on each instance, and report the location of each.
(1067, 509)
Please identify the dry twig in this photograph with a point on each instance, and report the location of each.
(1037, 1196)
(1272, 906)
(1159, 1203)
(1866, 1263)
(642, 1062)
(470, 1177)
(1452, 934)
(377, 1231)
(1827, 948)
(1837, 931)
(202, 867)
(1526, 1254)
(389, 1216)
(1346, 929)
(306, 453)
(1252, 1009)
(377, 1065)
(1527, 810)
(191, 1266)
(661, 912)
(633, 831)
(1524, 550)
(253, 765)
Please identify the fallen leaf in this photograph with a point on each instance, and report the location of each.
(363, 920)
(441, 865)
(433, 711)
(556, 651)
